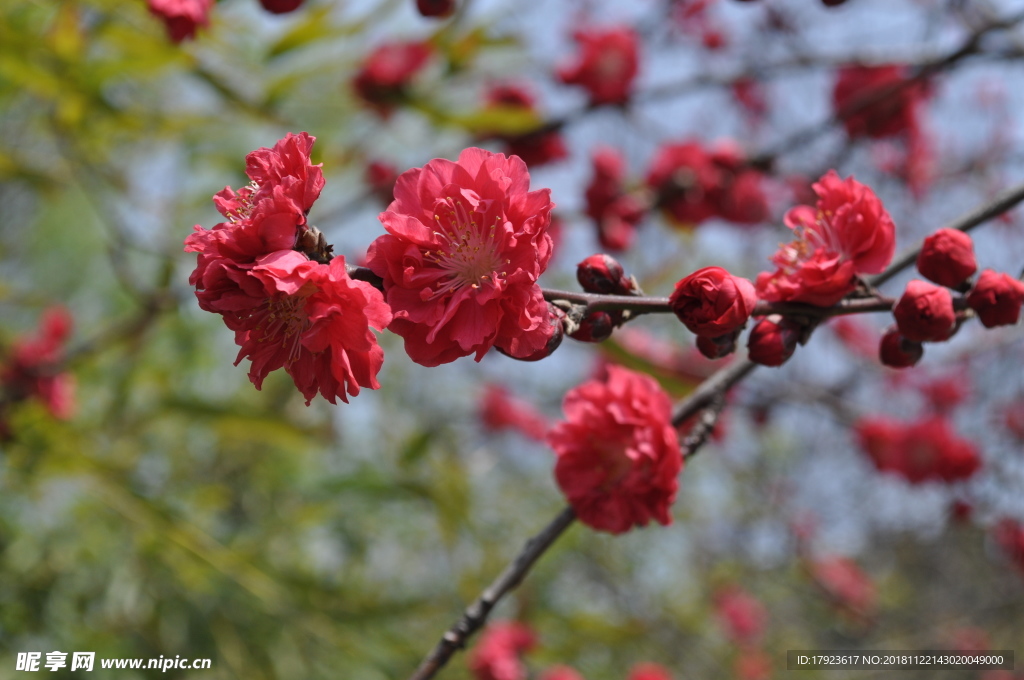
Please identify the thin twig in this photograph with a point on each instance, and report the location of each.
(705, 425)
(476, 614)
(707, 391)
(997, 206)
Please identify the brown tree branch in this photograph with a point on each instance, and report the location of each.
(1004, 201)
(476, 614)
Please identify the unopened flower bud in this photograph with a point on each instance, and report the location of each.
(602, 274)
(716, 348)
(436, 8)
(280, 6)
(773, 341)
(712, 302)
(925, 312)
(595, 327)
(556, 317)
(996, 299)
(947, 258)
(896, 351)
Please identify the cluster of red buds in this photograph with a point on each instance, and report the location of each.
(933, 312)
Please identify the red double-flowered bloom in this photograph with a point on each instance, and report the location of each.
(848, 233)
(618, 453)
(287, 310)
(465, 246)
(606, 65)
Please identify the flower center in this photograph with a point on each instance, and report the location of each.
(246, 202)
(281, 321)
(810, 238)
(468, 248)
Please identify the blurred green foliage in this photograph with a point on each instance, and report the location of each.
(181, 512)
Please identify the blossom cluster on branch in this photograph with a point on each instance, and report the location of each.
(457, 273)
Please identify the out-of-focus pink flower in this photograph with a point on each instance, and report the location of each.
(846, 583)
(924, 313)
(945, 393)
(694, 184)
(500, 410)
(560, 673)
(287, 310)
(969, 639)
(1013, 418)
(618, 454)
(849, 233)
(181, 17)
(918, 452)
(606, 65)
(741, 614)
(380, 176)
(32, 368)
(384, 78)
(753, 664)
(947, 258)
(711, 302)
(649, 671)
(751, 97)
(536, 147)
(855, 335)
(497, 655)
(1009, 535)
(615, 212)
(996, 299)
(465, 246)
(873, 101)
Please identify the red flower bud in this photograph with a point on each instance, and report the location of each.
(772, 342)
(602, 274)
(925, 312)
(436, 8)
(711, 302)
(556, 318)
(896, 351)
(280, 6)
(716, 348)
(947, 258)
(595, 327)
(997, 299)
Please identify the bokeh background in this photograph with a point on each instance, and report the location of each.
(175, 510)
